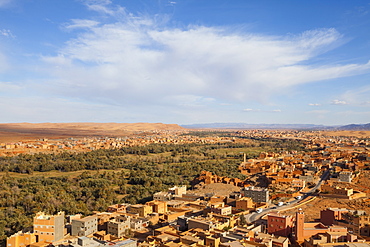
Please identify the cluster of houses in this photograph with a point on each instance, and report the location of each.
(285, 174)
(94, 143)
(178, 218)
(336, 226)
(154, 223)
(175, 208)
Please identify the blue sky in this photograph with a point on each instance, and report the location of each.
(185, 61)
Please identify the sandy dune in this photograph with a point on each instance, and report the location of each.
(355, 133)
(12, 132)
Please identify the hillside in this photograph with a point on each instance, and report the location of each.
(355, 127)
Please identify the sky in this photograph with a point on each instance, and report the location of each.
(185, 61)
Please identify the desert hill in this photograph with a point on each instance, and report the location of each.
(355, 127)
(12, 132)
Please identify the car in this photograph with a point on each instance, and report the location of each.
(280, 204)
(259, 210)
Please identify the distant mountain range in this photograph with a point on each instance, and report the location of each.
(276, 126)
(355, 127)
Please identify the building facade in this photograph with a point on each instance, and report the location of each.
(21, 239)
(141, 210)
(280, 225)
(49, 228)
(85, 226)
(257, 194)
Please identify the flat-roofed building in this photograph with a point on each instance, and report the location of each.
(21, 239)
(162, 196)
(345, 176)
(244, 203)
(330, 215)
(126, 243)
(202, 224)
(49, 228)
(141, 210)
(85, 226)
(159, 207)
(257, 194)
(119, 226)
(117, 208)
(222, 210)
(177, 190)
(280, 225)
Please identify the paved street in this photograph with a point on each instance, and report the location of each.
(255, 216)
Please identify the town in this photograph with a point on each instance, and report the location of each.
(184, 123)
(282, 202)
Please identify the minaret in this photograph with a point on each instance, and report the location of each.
(299, 226)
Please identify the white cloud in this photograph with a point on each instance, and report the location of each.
(7, 33)
(102, 6)
(59, 60)
(4, 60)
(41, 109)
(171, 3)
(259, 110)
(319, 112)
(77, 23)
(135, 59)
(9, 87)
(251, 110)
(188, 100)
(339, 102)
(314, 104)
(98, 2)
(357, 96)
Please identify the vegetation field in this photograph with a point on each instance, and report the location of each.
(73, 174)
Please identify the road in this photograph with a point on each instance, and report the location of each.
(255, 216)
